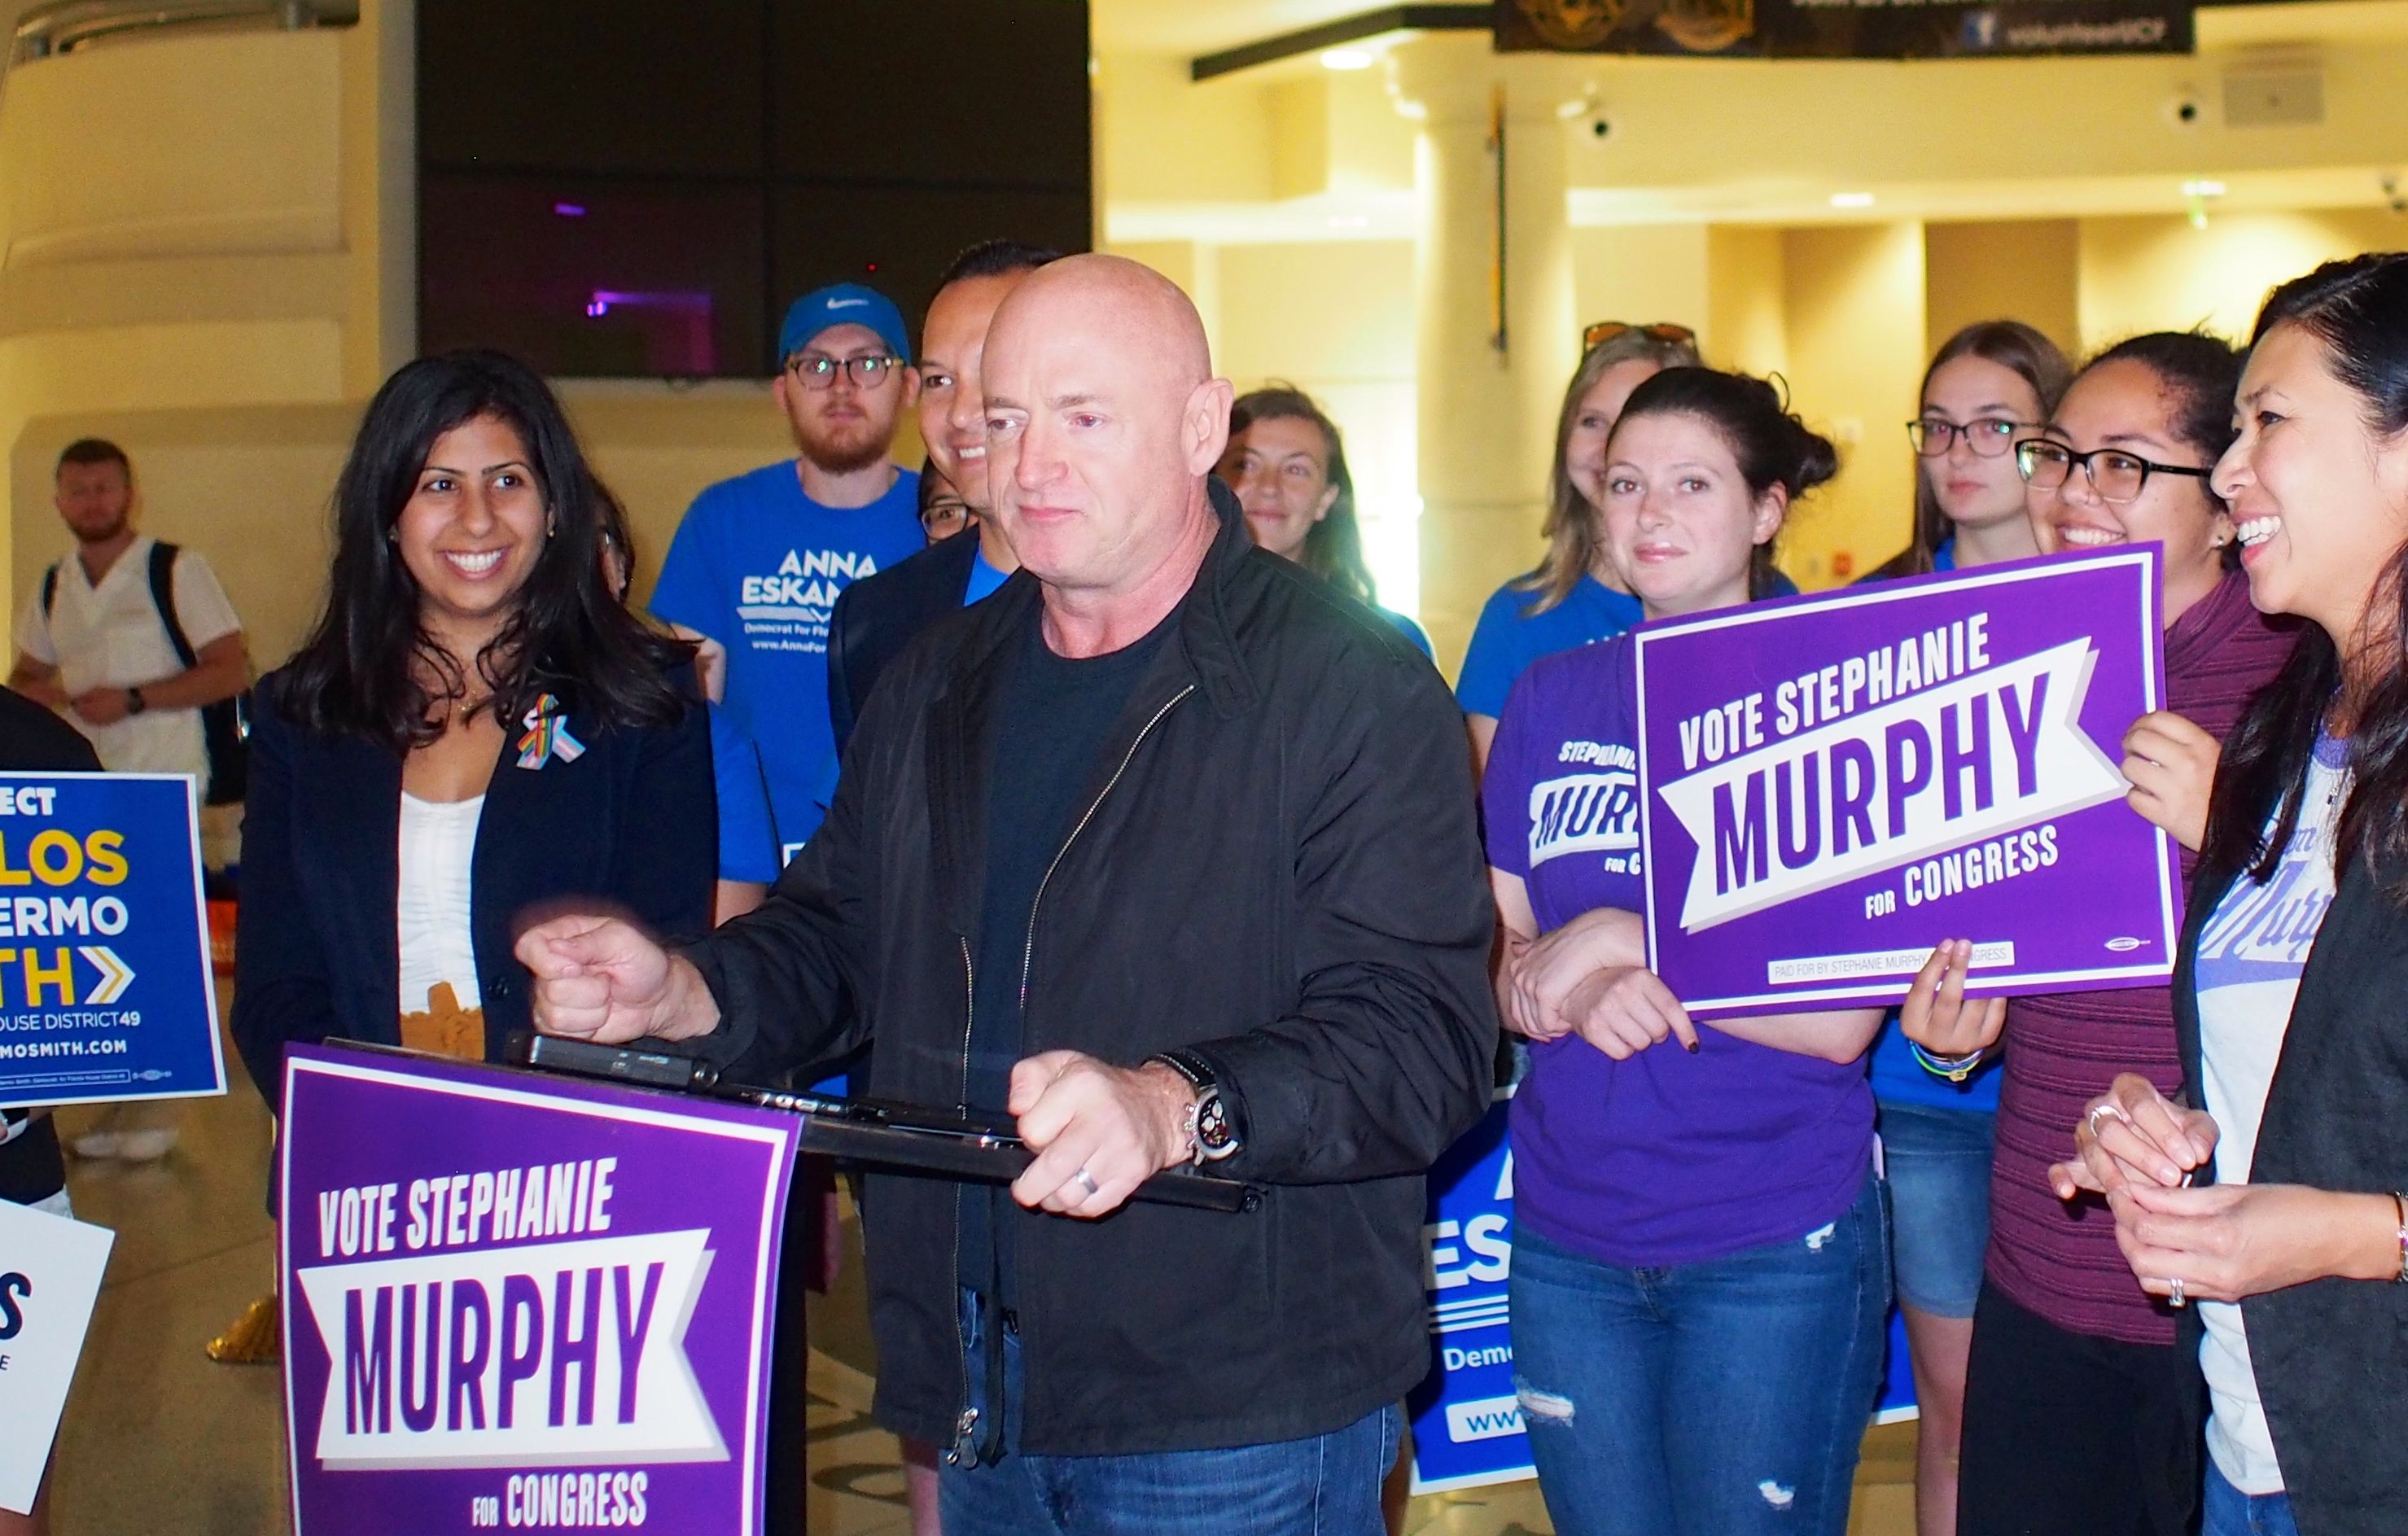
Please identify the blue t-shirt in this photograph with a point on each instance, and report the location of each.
(1898, 1077)
(1668, 1157)
(986, 581)
(1510, 637)
(757, 566)
(747, 845)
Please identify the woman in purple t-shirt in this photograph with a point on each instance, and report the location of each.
(1700, 1266)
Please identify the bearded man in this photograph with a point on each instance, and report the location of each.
(757, 564)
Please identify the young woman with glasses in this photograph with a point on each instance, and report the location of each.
(2073, 1378)
(1989, 385)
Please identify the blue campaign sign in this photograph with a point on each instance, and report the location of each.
(1467, 1422)
(105, 985)
(1466, 1416)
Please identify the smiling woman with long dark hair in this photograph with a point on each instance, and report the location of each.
(474, 726)
(2264, 1200)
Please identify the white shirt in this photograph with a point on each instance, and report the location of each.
(438, 847)
(110, 635)
(2251, 953)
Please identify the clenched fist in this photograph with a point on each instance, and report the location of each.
(604, 979)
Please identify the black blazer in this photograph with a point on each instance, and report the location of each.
(877, 617)
(2331, 1356)
(633, 823)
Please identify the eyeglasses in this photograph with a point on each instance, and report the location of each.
(814, 371)
(1987, 438)
(2116, 475)
(1606, 330)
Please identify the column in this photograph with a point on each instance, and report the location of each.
(1486, 413)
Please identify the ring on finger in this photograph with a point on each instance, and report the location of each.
(2174, 1297)
(1086, 1181)
(2097, 1110)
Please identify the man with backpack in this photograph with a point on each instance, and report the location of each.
(134, 641)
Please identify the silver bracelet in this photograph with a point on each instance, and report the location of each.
(2400, 1202)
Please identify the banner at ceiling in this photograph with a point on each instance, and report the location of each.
(1846, 29)
(1830, 785)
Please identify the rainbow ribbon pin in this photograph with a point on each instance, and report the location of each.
(547, 734)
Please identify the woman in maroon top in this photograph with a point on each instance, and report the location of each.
(2074, 1378)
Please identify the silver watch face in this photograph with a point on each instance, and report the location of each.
(1215, 1137)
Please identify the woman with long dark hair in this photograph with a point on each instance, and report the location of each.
(1286, 464)
(474, 726)
(2287, 1251)
(2074, 1373)
(1697, 1320)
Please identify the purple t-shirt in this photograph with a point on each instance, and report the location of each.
(1668, 1157)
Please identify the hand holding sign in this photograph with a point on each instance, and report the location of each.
(1936, 1015)
(2172, 764)
(605, 980)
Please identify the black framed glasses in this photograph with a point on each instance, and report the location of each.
(813, 370)
(1988, 438)
(2116, 475)
(1606, 330)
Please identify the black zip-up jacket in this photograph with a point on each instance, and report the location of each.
(1276, 868)
(2330, 1354)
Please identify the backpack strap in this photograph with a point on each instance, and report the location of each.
(162, 597)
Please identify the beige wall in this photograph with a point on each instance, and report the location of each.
(251, 487)
(246, 486)
(2027, 270)
(2163, 273)
(1747, 320)
(1336, 321)
(1643, 273)
(1855, 300)
(211, 223)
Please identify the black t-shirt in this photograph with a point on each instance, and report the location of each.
(35, 740)
(1054, 726)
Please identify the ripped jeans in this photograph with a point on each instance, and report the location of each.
(1722, 1398)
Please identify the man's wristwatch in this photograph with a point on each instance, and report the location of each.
(135, 703)
(1211, 1137)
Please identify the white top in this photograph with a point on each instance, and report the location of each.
(438, 847)
(2250, 955)
(110, 635)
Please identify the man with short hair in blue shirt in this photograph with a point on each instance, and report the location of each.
(758, 562)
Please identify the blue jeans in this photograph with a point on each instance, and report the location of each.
(2226, 1511)
(1720, 1399)
(1939, 1164)
(1320, 1485)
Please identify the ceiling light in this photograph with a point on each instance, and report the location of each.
(2202, 189)
(1852, 199)
(1347, 58)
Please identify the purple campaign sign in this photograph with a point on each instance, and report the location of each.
(517, 1301)
(1834, 785)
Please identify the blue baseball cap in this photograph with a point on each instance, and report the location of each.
(842, 304)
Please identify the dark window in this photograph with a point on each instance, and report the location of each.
(617, 188)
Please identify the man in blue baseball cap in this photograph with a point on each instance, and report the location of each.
(756, 566)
